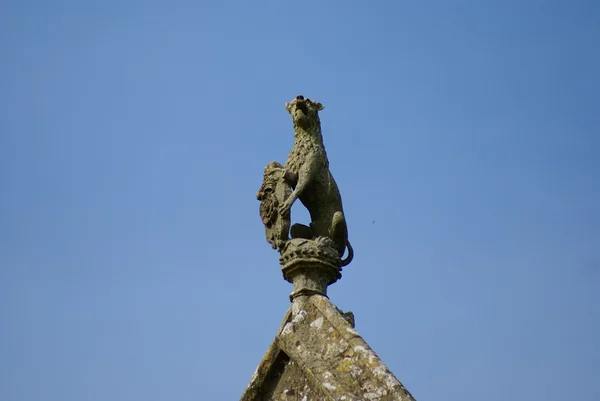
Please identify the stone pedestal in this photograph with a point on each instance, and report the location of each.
(310, 265)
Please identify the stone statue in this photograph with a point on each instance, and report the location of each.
(272, 192)
(305, 176)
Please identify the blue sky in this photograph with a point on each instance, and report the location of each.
(464, 136)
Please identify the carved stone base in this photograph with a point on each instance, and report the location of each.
(311, 265)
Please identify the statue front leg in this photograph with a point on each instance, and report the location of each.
(306, 174)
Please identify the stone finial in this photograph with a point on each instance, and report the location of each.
(311, 265)
(312, 258)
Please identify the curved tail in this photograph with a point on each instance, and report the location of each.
(346, 262)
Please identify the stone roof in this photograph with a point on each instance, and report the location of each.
(317, 355)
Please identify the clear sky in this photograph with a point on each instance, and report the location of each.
(464, 136)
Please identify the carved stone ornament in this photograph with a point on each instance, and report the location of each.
(312, 258)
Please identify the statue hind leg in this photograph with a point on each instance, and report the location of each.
(339, 232)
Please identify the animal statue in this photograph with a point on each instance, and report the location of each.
(307, 173)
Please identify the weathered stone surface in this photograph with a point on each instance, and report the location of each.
(326, 360)
(317, 354)
(311, 265)
(271, 193)
(321, 248)
(305, 176)
(289, 383)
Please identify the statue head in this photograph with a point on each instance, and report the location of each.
(304, 112)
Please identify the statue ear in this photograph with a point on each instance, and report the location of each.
(287, 107)
(319, 106)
